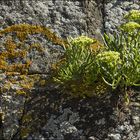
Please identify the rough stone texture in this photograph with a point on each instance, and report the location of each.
(48, 114)
(67, 18)
(114, 12)
(12, 103)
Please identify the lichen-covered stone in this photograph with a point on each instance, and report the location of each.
(69, 118)
(17, 78)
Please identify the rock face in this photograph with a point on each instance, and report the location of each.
(114, 12)
(40, 111)
(67, 18)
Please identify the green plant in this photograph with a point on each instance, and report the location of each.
(109, 63)
(132, 25)
(78, 58)
(129, 49)
(116, 65)
(127, 44)
(78, 71)
(133, 15)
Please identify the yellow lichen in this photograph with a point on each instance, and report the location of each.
(21, 92)
(26, 118)
(42, 82)
(18, 50)
(24, 132)
(23, 30)
(37, 46)
(13, 57)
(6, 87)
(96, 46)
(10, 54)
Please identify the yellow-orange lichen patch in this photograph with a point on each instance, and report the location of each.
(18, 50)
(23, 30)
(15, 52)
(37, 46)
(21, 92)
(42, 82)
(96, 46)
(10, 54)
(19, 84)
(10, 44)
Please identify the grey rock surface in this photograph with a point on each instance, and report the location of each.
(66, 18)
(114, 12)
(49, 114)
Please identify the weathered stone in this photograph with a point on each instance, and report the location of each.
(115, 136)
(67, 18)
(46, 114)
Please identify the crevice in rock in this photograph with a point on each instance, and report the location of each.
(103, 15)
(94, 25)
(1, 127)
